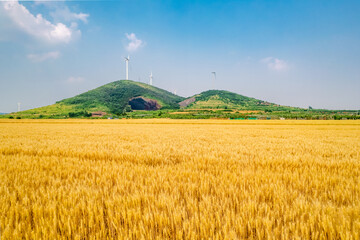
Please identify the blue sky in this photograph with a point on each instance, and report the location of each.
(297, 53)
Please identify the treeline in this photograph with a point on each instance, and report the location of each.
(79, 114)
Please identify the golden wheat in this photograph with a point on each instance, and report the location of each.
(172, 179)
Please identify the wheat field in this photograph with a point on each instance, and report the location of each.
(179, 179)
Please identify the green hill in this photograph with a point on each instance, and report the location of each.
(123, 96)
(220, 99)
(112, 98)
(115, 96)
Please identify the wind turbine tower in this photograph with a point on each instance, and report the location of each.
(151, 78)
(19, 107)
(214, 76)
(127, 66)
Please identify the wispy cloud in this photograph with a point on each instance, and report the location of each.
(134, 43)
(75, 79)
(61, 12)
(275, 64)
(64, 14)
(39, 27)
(44, 56)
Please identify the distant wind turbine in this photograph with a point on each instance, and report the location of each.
(19, 107)
(127, 66)
(151, 78)
(214, 75)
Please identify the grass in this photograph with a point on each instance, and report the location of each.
(178, 179)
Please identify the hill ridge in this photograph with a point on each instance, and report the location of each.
(227, 100)
(121, 96)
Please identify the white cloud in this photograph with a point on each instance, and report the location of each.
(275, 64)
(65, 14)
(37, 26)
(134, 43)
(43, 57)
(75, 80)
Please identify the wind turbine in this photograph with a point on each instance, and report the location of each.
(127, 66)
(214, 74)
(151, 78)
